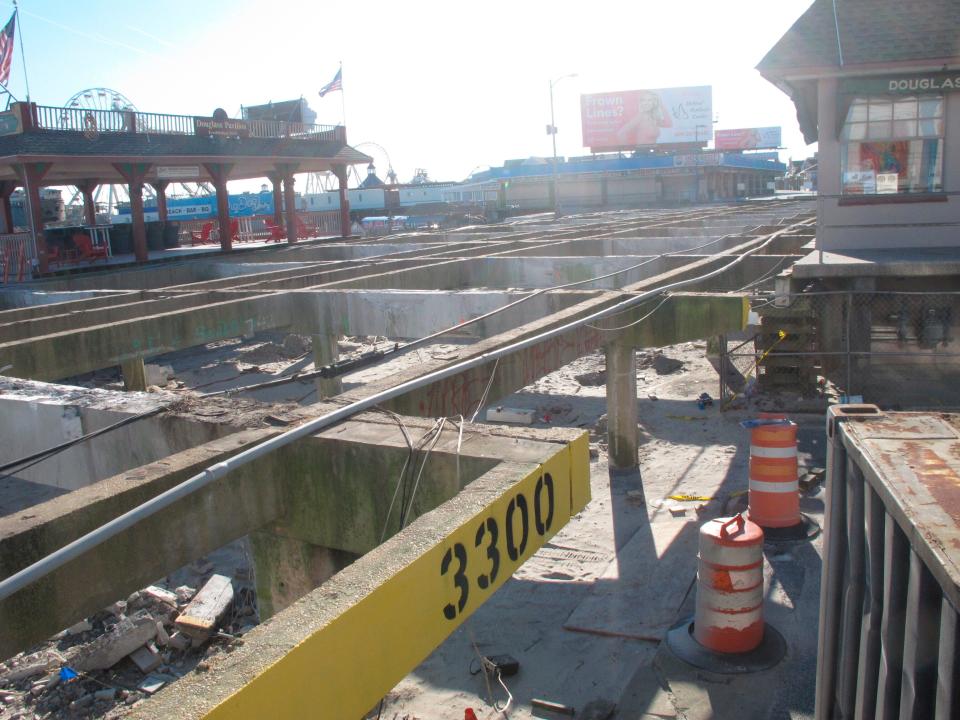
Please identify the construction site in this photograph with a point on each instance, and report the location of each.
(680, 446)
(480, 323)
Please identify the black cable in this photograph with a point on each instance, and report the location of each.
(42, 455)
(376, 356)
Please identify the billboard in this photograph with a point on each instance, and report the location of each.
(747, 138)
(637, 118)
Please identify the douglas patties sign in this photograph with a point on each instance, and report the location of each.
(938, 82)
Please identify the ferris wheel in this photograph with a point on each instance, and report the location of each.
(381, 161)
(321, 182)
(101, 99)
(111, 195)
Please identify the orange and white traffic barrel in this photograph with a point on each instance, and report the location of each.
(774, 490)
(729, 614)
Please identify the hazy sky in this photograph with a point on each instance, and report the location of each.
(443, 86)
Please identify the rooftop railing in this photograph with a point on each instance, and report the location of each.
(93, 121)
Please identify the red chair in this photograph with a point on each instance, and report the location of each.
(277, 233)
(235, 230)
(304, 230)
(86, 249)
(203, 237)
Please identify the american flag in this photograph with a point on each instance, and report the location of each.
(335, 84)
(6, 49)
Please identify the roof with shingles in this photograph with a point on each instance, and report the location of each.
(121, 144)
(870, 31)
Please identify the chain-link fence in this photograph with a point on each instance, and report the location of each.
(895, 349)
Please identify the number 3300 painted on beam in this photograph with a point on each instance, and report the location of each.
(481, 563)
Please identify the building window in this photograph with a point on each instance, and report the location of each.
(893, 144)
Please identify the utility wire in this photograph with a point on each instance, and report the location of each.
(413, 344)
(635, 322)
(38, 457)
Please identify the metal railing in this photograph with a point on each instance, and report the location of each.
(164, 124)
(92, 121)
(17, 253)
(887, 645)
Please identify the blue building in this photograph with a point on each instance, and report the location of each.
(620, 180)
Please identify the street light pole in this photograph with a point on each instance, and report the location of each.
(553, 135)
(699, 157)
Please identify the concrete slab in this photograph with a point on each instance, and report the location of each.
(922, 262)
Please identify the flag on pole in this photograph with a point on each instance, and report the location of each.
(335, 84)
(6, 49)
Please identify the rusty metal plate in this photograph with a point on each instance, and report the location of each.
(905, 426)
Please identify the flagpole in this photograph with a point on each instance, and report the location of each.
(343, 101)
(23, 56)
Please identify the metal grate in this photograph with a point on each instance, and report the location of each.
(888, 600)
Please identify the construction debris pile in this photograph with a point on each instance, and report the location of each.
(106, 663)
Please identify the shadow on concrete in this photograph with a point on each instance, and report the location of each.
(669, 687)
(525, 617)
(17, 495)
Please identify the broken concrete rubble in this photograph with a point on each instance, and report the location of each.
(146, 659)
(109, 649)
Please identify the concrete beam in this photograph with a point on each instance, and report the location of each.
(67, 353)
(417, 313)
(682, 318)
(409, 594)
(332, 490)
(118, 311)
(55, 302)
(183, 532)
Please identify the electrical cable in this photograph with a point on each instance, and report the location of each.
(635, 322)
(496, 706)
(765, 275)
(110, 529)
(406, 515)
(38, 457)
(453, 328)
(413, 344)
(486, 391)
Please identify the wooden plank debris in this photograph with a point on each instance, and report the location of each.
(200, 619)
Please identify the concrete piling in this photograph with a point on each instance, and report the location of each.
(622, 419)
(325, 352)
(134, 373)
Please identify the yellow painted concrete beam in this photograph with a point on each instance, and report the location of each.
(342, 668)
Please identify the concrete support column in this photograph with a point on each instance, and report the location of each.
(341, 172)
(286, 569)
(31, 175)
(87, 188)
(160, 187)
(622, 418)
(325, 352)
(134, 373)
(277, 181)
(290, 207)
(220, 173)
(139, 225)
(134, 174)
(6, 210)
